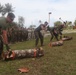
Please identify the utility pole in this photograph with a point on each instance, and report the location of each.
(49, 17)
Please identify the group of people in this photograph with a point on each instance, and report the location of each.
(38, 35)
(54, 31)
(17, 34)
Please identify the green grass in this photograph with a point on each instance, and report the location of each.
(56, 60)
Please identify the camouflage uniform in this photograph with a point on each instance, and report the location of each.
(5, 23)
(38, 34)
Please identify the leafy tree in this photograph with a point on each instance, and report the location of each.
(57, 23)
(75, 22)
(32, 26)
(6, 9)
(3, 12)
(1, 8)
(68, 23)
(9, 8)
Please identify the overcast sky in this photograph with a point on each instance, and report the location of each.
(35, 10)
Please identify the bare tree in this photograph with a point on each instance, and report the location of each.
(21, 21)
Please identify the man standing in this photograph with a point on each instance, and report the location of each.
(38, 34)
(5, 24)
(60, 29)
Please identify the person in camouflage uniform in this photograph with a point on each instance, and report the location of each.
(38, 34)
(53, 32)
(5, 24)
(56, 31)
